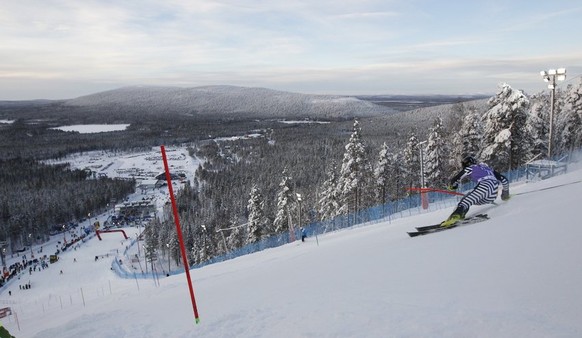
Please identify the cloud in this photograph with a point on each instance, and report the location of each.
(367, 15)
(364, 44)
(540, 19)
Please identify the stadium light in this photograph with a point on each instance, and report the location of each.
(550, 76)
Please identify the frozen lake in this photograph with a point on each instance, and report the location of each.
(93, 128)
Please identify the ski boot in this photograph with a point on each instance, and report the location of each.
(456, 216)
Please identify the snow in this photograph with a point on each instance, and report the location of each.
(93, 128)
(142, 166)
(234, 138)
(503, 136)
(515, 275)
(303, 122)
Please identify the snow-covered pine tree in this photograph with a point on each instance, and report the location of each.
(328, 204)
(188, 234)
(537, 123)
(569, 138)
(353, 173)
(411, 167)
(573, 99)
(256, 222)
(454, 120)
(151, 242)
(164, 233)
(504, 135)
(203, 248)
(209, 249)
(569, 134)
(468, 139)
(236, 237)
(436, 159)
(174, 247)
(397, 176)
(285, 205)
(382, 174)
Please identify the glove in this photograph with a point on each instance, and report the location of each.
(453, 187)
(505, 195)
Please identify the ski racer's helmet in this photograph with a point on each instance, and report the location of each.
(468, 160)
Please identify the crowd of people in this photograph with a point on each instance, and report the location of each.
(32, 264)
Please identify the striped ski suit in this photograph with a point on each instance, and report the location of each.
(487, 187)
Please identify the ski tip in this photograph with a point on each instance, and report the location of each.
(197, 320)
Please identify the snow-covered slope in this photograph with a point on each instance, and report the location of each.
(516, 275)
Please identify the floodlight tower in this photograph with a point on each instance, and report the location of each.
(550, 76)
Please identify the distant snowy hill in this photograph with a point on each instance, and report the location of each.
(422, 119)
(230, 102)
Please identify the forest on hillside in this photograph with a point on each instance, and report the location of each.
(38, 199)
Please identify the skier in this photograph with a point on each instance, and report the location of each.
(303, 234)
(485, 192)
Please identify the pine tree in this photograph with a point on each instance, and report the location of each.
(382, 174)
(203, 248)
(397, 176)
(505, 136)
(454, 120)
(537, 124)
(206, 250)
(237, 236)
(174, 247)
(570, 135)
(192, 231)
(353, 174)
(435, 156)
(256, 221)
(151, 242)
(328, 203)
(411, 157)
(285, 205)
(163, 236)
(574, 97)
(468, 139)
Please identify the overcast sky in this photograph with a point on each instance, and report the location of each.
(58, 49)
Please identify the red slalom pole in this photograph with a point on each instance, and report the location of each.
(180, 237)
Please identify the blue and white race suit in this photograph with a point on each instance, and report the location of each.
(487, 187)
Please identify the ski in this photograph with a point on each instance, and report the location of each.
(430, 231)
(428, 227)
(423, 230)
(467, 220)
